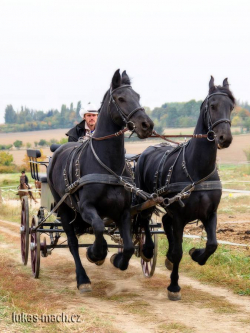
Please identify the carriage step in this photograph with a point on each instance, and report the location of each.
(50, 230)
(52, 224)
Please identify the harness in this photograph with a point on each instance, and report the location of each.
(124, 117)
(210, 124)
(111, 179)
(185, 188)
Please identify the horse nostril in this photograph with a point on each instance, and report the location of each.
(145, 125)
(221, 138)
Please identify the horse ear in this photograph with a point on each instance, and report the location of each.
(225, 84)
(116, 80)
(125, 78)
(211, 83)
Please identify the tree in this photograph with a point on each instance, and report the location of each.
(10, 115)
(78, 108)
(5, 158)
(18, 144)
(28, 145)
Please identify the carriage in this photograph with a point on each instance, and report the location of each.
(34, 231)
(162, 172)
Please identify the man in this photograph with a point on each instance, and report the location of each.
(86, 127)
(23, 180)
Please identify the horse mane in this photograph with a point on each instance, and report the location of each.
(105, 95)
(223, 90)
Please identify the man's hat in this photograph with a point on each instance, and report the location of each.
(90, 108)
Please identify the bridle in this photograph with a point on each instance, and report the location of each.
(211, 134)
(125, 118)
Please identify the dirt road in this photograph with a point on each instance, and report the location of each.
(120, 301)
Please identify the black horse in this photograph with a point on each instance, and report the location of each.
(160, 167)
(96, 159)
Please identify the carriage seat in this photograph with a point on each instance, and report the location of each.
(54, 147)
(33, 155)
(42, 177)
(132, 157)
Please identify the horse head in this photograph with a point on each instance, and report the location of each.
(125, 108)
(217, 109)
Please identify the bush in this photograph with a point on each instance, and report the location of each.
(247, 153)
(9, 168)
(5, 158)
(42, 142)
(5, 147)
(63, 140)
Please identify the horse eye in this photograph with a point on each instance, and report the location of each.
(212, 106)
(121, 99)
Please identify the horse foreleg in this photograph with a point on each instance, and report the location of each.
(174, 288)
(201, 255)
(97, 252)
(121, 260)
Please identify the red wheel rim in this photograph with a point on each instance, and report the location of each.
(35, 248)
(24, 230)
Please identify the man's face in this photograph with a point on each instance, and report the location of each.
(91, 119)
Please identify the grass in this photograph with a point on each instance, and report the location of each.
(138, 307)
(13, 213)
(174, 328)
(41, 299)
(11, 179)
(234, 205)
(227, 267)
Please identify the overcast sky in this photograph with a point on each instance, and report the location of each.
(55, 52)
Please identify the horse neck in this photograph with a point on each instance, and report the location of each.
(110, 151)
(201, 153)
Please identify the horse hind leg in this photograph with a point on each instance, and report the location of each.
(201, 255)
(83, 281)
(174, 290)
(167, 222)
(121, 260)
(147, 252)
(31, 196)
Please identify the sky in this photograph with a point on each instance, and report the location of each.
(57, 52)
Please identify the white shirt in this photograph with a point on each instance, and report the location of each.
(89, 133)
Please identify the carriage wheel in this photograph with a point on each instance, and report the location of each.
(35, 248)
(120, 249)
(24, 230)
(148, 267)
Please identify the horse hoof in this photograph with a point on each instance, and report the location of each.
(168, 264)
(112, 258)
(85, 288)
(144, 258)
(174, 296)
(98, 263)
(191, 251)
(89, 257)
